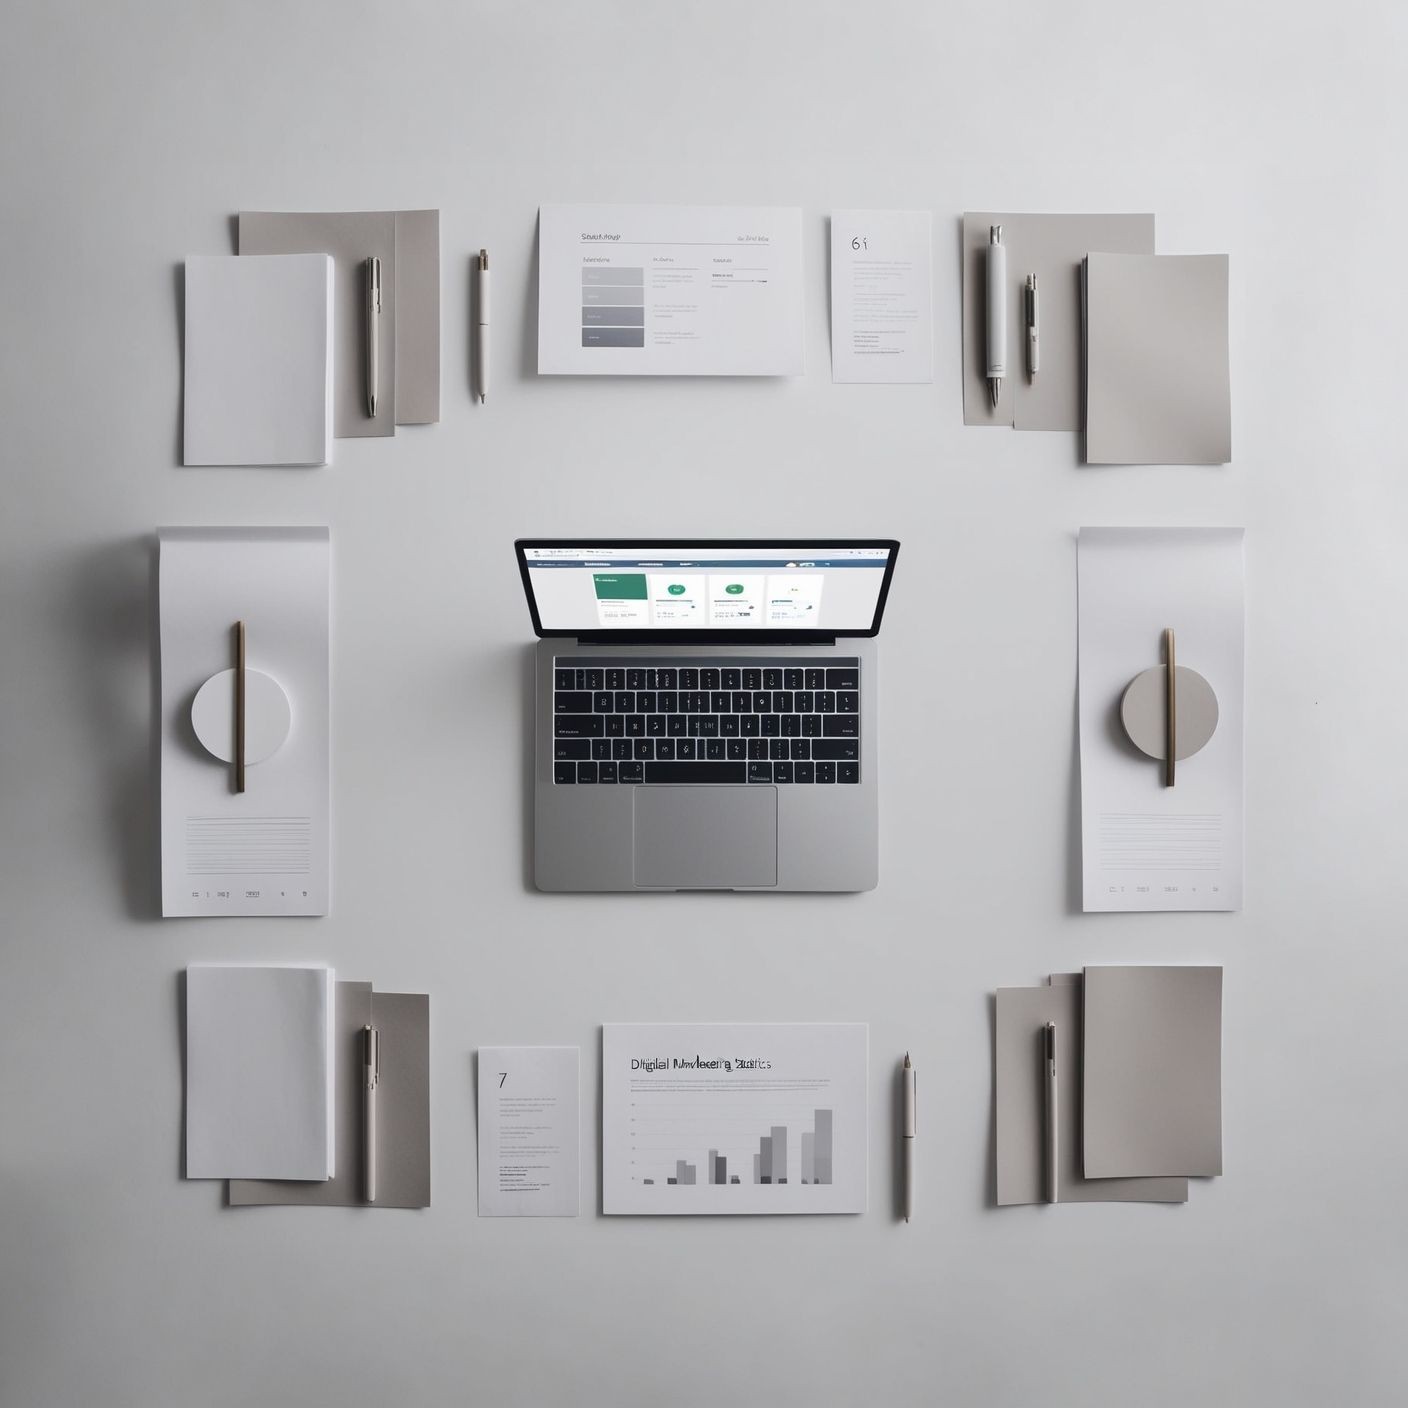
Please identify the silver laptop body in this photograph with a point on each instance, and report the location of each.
(708, 757)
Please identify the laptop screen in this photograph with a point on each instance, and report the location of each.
(657, 587)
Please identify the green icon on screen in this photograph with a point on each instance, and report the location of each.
(734, 588)
(675, 589)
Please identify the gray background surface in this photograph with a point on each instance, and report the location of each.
(133, 132)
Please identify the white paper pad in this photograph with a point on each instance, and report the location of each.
(1146, 846)
(882, 304)
(258, 360)
(529, 1131)
(259, 1072)
(265, 850)
(715, 1118)
(670, 290)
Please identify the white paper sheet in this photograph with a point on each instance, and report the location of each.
(529, 1131)
(258, 360)
(263, 851)
(1146, 846)
(259, 1072)
(882, 304)
(749, 1118)
(670, 290)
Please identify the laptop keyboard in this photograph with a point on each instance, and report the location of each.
(787, 721)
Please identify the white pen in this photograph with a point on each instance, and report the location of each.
(997, 312)
(481, 322)
(910, 1113)
(1052, 1137)
(1033, 345)
(371, 1071)
(373, 329)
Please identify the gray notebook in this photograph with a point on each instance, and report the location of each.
(1051, 247)
(1153, 1071)
(1020, 1096)
(402, 1021)
(1158, 387)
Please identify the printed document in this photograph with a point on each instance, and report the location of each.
(529, 1131)
(669, 290)
(882, 304)
(715, 1118)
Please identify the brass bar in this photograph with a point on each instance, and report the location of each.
(239, 705)
(1170, 709)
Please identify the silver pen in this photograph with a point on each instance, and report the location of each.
(373, 329)
(371, 1072)
(911, 1111)
(1052, 1136)
(1033, 345)
(997, 312)
(481, 323)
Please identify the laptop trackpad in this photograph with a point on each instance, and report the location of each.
(698, 838)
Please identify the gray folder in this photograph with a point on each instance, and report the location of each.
(351, 238)
(1158, 388)
(417, 317)
(1051, 247)
(1153, 1071)
(1021, 1105)
(402, 1021)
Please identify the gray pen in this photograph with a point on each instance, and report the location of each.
(371, 1071)
(911, 1112)
(373, 329)
(1033, 346)
(1052, 1136)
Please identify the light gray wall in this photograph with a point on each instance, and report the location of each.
(132, 132)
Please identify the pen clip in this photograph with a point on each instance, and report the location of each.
(374, 283)
(371, 1055)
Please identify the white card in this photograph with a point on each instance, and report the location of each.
(259, 1072)
(264, 850)
(1146, 846)
(735, 1118)
(882, 304)
(529, 1131)
(670, 290)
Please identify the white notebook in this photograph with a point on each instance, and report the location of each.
(259, 359)
(259, 1072)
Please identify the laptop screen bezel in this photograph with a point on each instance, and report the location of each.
(802, 546)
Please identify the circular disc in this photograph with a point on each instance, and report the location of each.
(1142, 711)
(267, 716)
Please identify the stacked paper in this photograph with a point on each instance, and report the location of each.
(1139, 1084)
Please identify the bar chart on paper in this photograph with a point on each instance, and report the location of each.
(749, 1118)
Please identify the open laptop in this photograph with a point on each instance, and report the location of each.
(705, 711)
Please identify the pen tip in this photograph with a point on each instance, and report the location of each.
(906, 1059)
